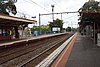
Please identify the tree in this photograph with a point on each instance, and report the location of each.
(8, 6)
(44, 29)
(56, 23)
(90, 6)
(35, 28)
(68, 29)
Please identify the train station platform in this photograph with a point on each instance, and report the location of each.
(27, 40)
(82, 52)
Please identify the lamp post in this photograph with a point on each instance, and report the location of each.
(35, 17)
(52, 12)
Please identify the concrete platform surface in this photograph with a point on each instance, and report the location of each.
(17, 41)
(84, 53)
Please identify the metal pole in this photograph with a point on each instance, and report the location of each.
(33, 18)
(52, 12)
(94, 33)
(61, 16)
(39, 24)
(72, 26)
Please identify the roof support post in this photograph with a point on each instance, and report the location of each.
(16, 32)
(94, 32)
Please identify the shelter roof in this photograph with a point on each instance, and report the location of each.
(89, 17)
(14, 21)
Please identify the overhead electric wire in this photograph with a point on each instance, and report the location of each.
(31, 2)
(28, 1)
(24, 14)
(70, 17)
(64, 12)
(57, 4)
(39, 5)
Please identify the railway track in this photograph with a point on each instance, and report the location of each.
(31, 54)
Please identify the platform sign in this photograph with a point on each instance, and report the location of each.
(55, 29)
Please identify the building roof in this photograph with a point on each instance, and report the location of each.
(88, 17)
(14, 21)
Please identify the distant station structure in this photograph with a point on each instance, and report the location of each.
(10, 25)
(90, 20)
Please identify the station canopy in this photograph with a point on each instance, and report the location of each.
(89, 18)
(90, 12)
(6, 20)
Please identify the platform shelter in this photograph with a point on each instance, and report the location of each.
(90, 21)
(9, 26)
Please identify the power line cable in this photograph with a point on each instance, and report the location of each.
(24, 15)
(56, 4)
(70, 17)
(39, 5)
(36, 4)
(28, 1)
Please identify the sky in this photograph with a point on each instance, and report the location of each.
(32, 8)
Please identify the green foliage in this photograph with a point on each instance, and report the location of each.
(80, 28)
(90, 6)
(45, 28)
(68, 29)
(7, 6)
(56, 23)
(42, 28)
(35, 28)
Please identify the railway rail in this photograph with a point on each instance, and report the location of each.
(29, 55)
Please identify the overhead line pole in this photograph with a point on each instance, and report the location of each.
(51, 14)
(39, 24)
(61, 16)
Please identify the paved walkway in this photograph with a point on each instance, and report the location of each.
(84, 53)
